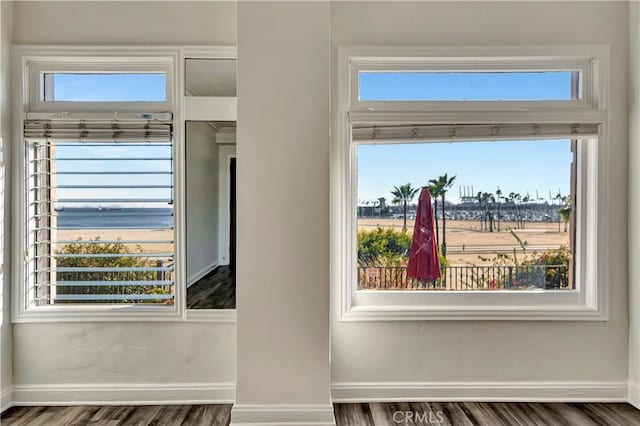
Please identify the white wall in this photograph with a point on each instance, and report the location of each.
(6, 331)
(123, 23)
(634, 203)
(202, 200)
(283, 216)
(376, 354)
(99, 355)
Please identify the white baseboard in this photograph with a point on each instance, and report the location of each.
(245, 415)
(6, 398)
(124, 394)
(191, 280)
(286, 415)
(634, 395)
(481, 391)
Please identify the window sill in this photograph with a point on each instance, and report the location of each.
(97, 314)
(474, 313)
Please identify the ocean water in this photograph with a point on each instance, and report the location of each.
(105, 218)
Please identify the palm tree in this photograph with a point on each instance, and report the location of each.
(487, 198)
(435, 191)
(498, 198)
(565, 212)
(481, 216)
(515, 198)
(404, 194)
(442, 185)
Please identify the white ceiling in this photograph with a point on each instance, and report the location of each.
(211, 77)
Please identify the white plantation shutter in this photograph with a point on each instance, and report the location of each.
(99, 211)
(470, 132)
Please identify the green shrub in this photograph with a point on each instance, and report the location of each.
(554, 277)
(93, 248)
(383, 247)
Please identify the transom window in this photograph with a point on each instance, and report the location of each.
(471, 185)
(106, 84)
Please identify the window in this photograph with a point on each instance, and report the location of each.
(97, 220)
(507, 151)
(98, 84)
(104, 87)
(100, 218)
(493, 232)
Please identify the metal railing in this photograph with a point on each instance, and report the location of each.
(461, 278)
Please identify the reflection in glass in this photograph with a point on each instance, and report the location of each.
(210, 198)
(210, 77)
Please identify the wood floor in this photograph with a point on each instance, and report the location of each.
(485, 414)
(383, 414)
(217, 290)
(118, 415)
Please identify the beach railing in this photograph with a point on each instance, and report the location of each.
(471, 277)
(109, 282)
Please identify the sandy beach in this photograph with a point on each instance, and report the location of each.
(155, 239)
(465, 240)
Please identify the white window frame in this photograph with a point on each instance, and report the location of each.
(38, 67)
(589, 301)
(28, 64)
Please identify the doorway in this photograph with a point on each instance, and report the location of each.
(232, 215)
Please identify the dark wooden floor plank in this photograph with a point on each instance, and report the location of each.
(560, 413)
(374, 414)
(353, 414)
(453, 413)
(216, 290)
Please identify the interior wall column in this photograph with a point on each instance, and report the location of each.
(283, 372)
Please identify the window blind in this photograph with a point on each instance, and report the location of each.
(100, 214)
(470, 132)
(99, 130)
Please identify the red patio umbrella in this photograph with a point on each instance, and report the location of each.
(424, 264)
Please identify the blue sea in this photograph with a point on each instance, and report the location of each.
(102, 218)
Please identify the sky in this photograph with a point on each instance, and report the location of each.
(112, 88)
(513, 166)
(109, 87)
